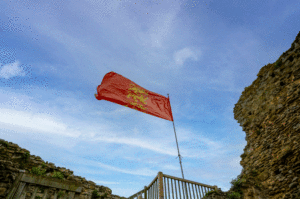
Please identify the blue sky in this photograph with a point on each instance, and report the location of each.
(54, 54)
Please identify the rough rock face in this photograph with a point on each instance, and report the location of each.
(14, 158)
(269, 112)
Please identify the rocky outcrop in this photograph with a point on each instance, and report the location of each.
(269, 112)
(14, 158)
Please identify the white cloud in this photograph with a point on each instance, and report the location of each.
(11, 70)
(183, 54)
(37, 122)
(83, 161)
(148, 144)
(142, 172)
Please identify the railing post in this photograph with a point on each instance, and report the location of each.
(145, 192)
(160, 185)
(187, 196)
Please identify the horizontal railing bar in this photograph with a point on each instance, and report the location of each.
(152, 182)
(136, 194)
(153, 189)
(189, 181)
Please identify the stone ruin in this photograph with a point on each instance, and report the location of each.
(269, 112)
(43, 179)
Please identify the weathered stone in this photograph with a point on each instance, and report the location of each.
(269, 112)
(12, 158)
(271, 128)
(2, 191)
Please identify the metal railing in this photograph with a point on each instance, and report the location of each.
(169, 187)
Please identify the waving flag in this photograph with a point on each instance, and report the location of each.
(120, 90)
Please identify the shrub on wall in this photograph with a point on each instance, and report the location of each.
(95, 194)
(37, 171)
(58, 175)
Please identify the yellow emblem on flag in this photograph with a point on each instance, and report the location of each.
(138, 95)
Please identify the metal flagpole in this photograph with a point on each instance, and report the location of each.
(177, 144)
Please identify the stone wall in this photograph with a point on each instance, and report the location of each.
(269, 112)
(14, 158)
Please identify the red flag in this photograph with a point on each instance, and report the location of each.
(118, 89)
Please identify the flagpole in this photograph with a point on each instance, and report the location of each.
(177, 144)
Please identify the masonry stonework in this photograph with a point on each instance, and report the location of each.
(14, 158)
(269, 112)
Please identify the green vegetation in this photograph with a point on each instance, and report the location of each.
(234, 195)
(95, 195)
(237, 188)
(209, 193)
(278, 63)
(43, 165)
(25, 156)
(40, 172)
(24, 160)
(58, 175)
(60, 194)
(236, 185)
(38, 197)
(37, 171)
(4, 143)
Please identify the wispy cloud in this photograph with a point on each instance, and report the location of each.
(184, 54)
(35, 122)
(10, 70)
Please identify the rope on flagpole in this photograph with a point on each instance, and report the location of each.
(177, 144)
